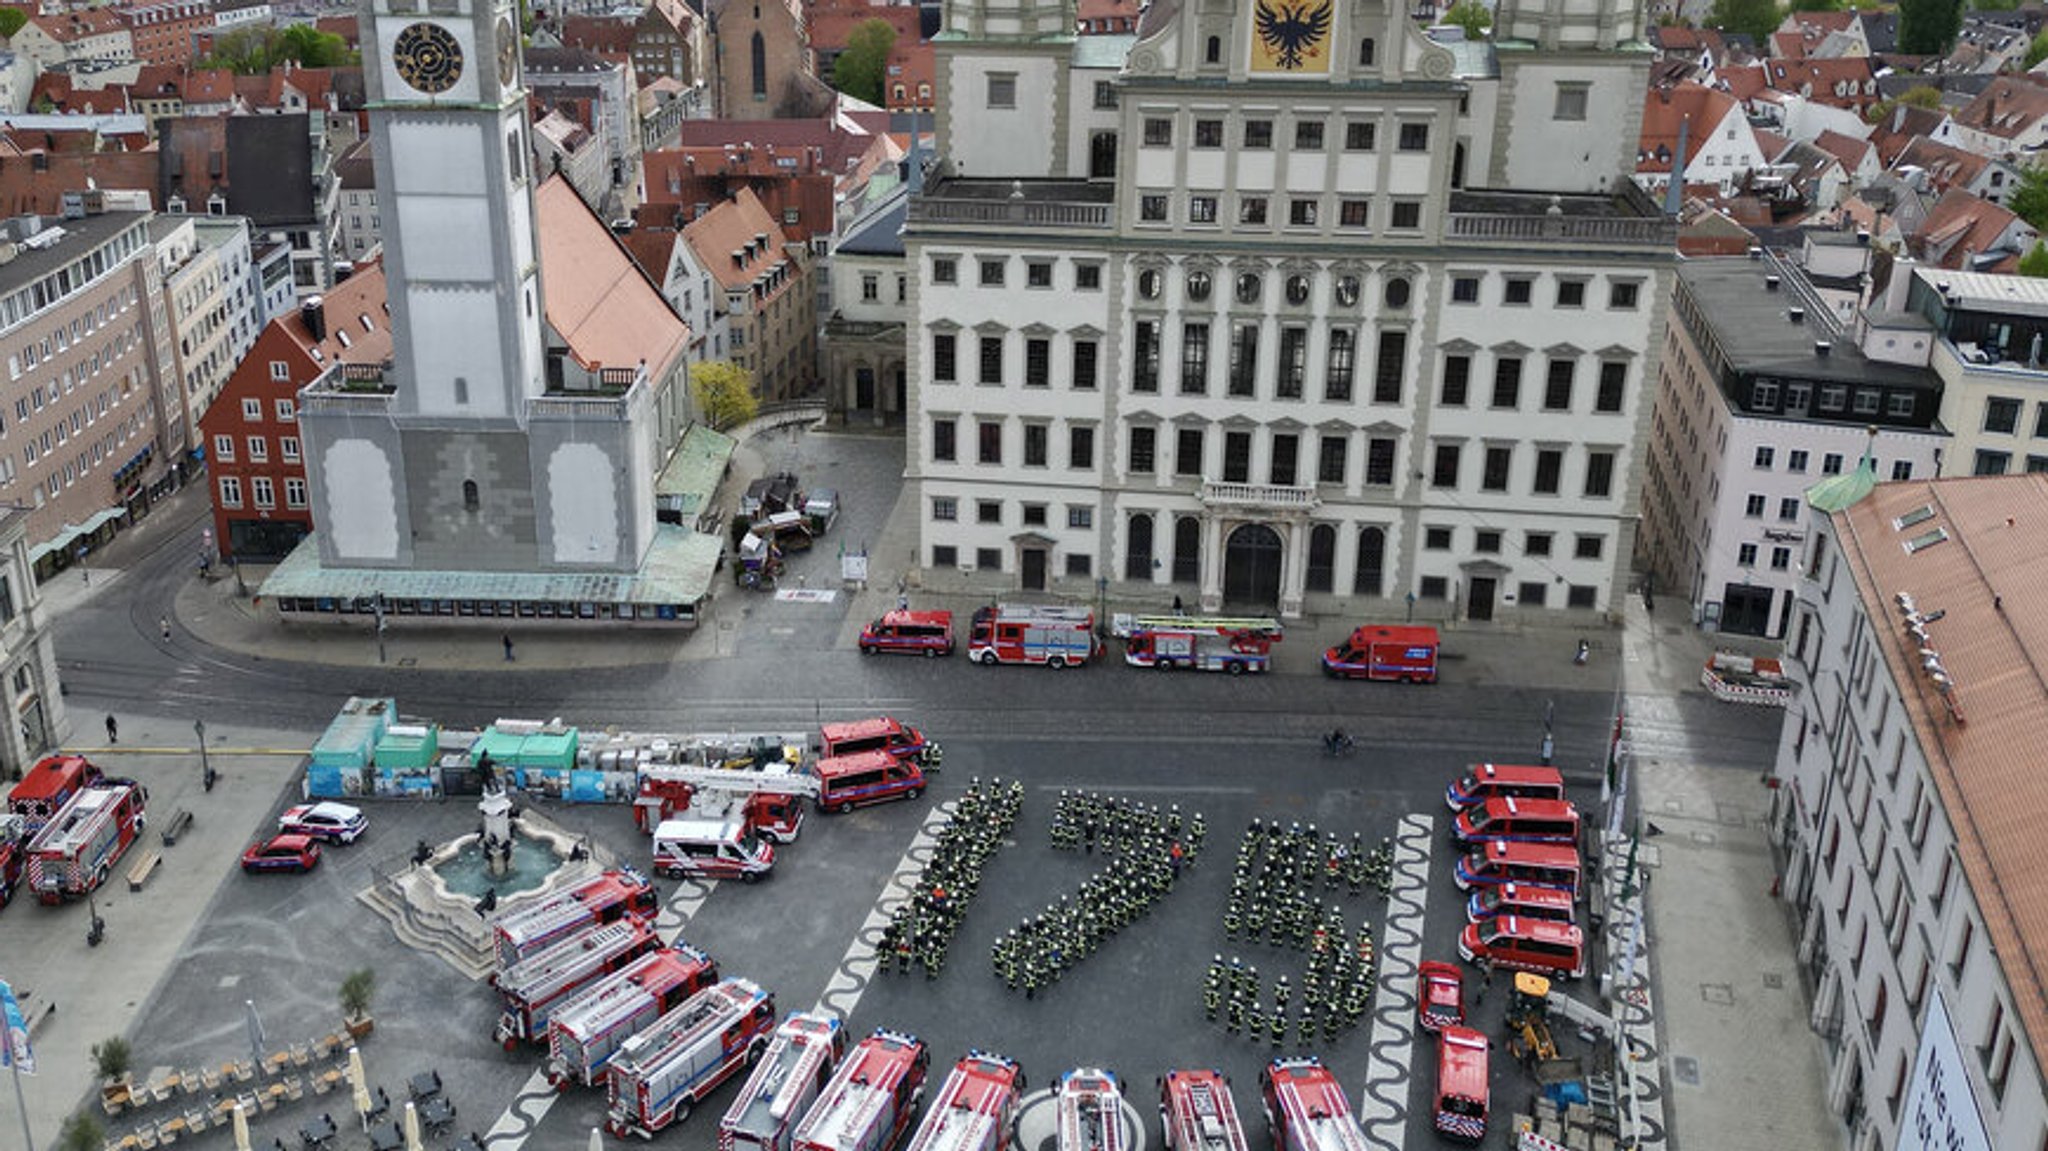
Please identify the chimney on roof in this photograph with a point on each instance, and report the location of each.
(1771, 283)
(313, 313)
(1795, 314)
(739, 259)
(761, 241)
(1821, 348)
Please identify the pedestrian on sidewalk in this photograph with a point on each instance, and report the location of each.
(1178, 609)
(163, 624)
(508, 647)
(113, 730)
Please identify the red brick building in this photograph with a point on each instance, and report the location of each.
(251, 431)
(162, 31)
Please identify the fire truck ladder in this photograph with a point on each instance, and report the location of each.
(728, 779)
(683, 1027)
(1331, 1132)
(850, 1110)
(1217, 1128)
(1093, 1122)
(957, 1123)
(82, 820)
(567, 961)
(1124, 625)
(535, 922)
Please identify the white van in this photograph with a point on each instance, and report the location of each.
(712, 848)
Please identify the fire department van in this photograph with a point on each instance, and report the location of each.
(1024, 633)
(1198, 1113)
(48, 786)
(879, 734)
(849, 781)
(589, 1027)
(1544, 946)
(1518, 821)
(1305, 1108)
(784, 1083)
(1461, 1087)
(974, 1108)
(1089, 1111)
(75, 852)
(1400, 652)
(1503, 781)
(534, 987)
(523, 931)
(712, 849)
(1496, 861)
(926, 633)
(661, 1074)
(1520, 899)
(870, 1100)
(1198, 642)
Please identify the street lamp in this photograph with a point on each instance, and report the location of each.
(206, 776)
(377, 606)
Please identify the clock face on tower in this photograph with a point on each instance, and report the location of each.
(508, 51)
(427, 57)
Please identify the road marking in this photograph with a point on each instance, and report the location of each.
(537, 1096)
(1383, 1100)
(1169, 788)
(850, 978)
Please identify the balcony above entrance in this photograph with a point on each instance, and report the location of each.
(1277, 498)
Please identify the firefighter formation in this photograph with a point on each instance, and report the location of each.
(1272, 901)
(1147, 850)
(920, 931)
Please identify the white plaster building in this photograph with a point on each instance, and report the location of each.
(1762, 394)
(205, 263)
(1902, 775)
(1289, 356)
(28, 660)
(1990, 356)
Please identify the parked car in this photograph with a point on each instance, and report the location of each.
(1441, 999)
(282, 853)
(328, 822)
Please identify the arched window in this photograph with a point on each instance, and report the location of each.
(1213, 54)
(1372, 558)
(760, 61)
(471, 499)
(1322, 557)
(1187, 549)
(1138, 549)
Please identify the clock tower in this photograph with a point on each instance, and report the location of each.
(448, 128)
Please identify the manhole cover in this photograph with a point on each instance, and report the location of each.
(1686, 1070)
(1774, 981)
(1720, 993)
(1705, 838)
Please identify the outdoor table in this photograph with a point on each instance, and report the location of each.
(437, 1112)
(425, 1085)
(316, 1132)
(386, 1138)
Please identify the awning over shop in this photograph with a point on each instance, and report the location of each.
(70, 533)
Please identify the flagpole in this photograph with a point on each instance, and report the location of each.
(28, 1139)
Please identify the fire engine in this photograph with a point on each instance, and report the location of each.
(590, 1025)
(769, 800)
(661, 1074)
(75, 852)
(1306, 1109)
(974, 1108)
(599, 899)
(870, 1100)
(1197, 1112)
(1026, 633)
(534, 987)
(1090, 1109)
(48, 786)
(785, 1081)
(1204, 643)
(14, 836)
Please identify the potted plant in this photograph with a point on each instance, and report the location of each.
(81, 1133)
(110, 1059)
(357, 988)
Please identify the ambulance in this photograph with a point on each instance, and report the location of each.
(74, 853)
(600, 899)
(870, 1100)
(1089, 1111)
(711, 849)
(592, 1024)
(1395, 652)
(1461, 1087)
(1198, 1113)
(784, 1084)
(974, 1108)
(534, 987)
(660, 1075)
(1306, 1109)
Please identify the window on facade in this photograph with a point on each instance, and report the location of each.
(1354, 213)
(1244, 359)
(1507, 381)
(2001, 415)
(1414, 137)
(1080, 447)
(223, 448)
(1745, 556)
(1201, 209)
(1621, 296)
(945, 365)
(1444, 469)
(1152, 208)
(1493, 475)
(991, 359)
(1582, 596)
(870, 287)
(1301, 213)
(1379, 462)
(991, 441)
(1105, 94)
(1613, 382)
(1433, 587)
(1037, 363)
(1343, 352)
(1158, 132)
(1436, 539)
(988, 559)
(1258, 134)
(991, 272)
(1208, 133)
(945, 270)
(1387, 367)
(1038, 273)
(1144, 446)
(1251, 211)
(1036, 437)
(1293, 368)
(1989, 463)
(1407, 214)
(1308, 135)
(1557, 385)
(1187, 452)
(1464, 289)
(1002, 89)
(944, 446)
(1084, 364)
(1781, 558)
(1599, 475)
(1588, 547)
(1517, 290)
(1138, 548)
(1145, 356)
(1237, 457)
(1831, 464)
(1571, 100)
(1331, 450)
(294, 492)
(1486, 541)
(1899, 405)
(1536, 543)
(1284, 464)
(1080, 516)
(259, 449)
(1321, 574)
(1549, 467)
(1457, 381)
(1194, 359)
(1359, 136)
(1571, 293)
(230, 491)
(1087, 277)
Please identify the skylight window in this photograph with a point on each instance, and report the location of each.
(1919, 515)
(1926, 540)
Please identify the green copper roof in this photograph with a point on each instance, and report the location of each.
(1839, 492)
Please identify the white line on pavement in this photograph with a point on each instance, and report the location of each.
(850, 979)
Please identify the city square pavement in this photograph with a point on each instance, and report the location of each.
(1738, 1066)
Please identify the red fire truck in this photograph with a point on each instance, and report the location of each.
(75, 852)
(14, 836)
(1204, 643)
(1461, 1086)
(1089, 1111)
(48, 786)
(1027, 633)
(1306, 1109)
(784, 1083)
(871, 1098)
(1197, 1112)
(589, 1027)
(661, 1074)
(769, 800)
(599, 899)
(974, 1108)
(535, 986)
(1406, 653)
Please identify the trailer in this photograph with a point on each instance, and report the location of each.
(534, 987)
(871, 1098)
(75, 852)
(590, 1026)
(1090, 1111)
(660, 1075)
(975, 1108)
(524, 931)
(788, 1078)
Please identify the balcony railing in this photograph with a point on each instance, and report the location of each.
(348, 387)
(1490, 228)
(1276, 497)
(1018, 212)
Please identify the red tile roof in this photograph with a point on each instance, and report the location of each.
(833, 21)
(1961, 227)
(2007, 106)
(80, 24)
(602, 34)
(1846, 148)
(1664, 109)
(1946, 167)
(1842, 82)
(608, 313)
(733, 227)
